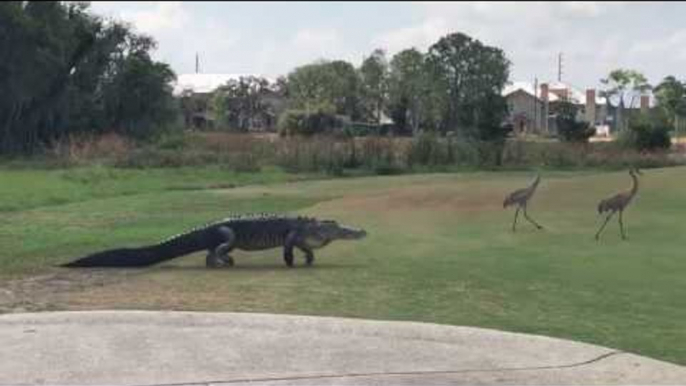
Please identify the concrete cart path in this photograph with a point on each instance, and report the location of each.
(161, 348)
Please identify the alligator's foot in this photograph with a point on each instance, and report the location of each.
(217, 261)
(289, 261)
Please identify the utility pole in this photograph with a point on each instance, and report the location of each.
(536, 105)
(559, 67)
(197, 63)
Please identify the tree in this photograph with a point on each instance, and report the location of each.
(239, 103)
(332, 84)
(671, 97)
(42, 45)
(138, 98)
(65, 71)
(406, 83)
(621, 83)
(466, 75)
(568, 127)
(374, 77)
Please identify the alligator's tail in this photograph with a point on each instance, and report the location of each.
(125, 257)
(144, 256)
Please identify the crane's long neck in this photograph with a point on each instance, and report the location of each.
(535, 183)
(634, 187)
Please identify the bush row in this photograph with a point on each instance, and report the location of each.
(336, 155)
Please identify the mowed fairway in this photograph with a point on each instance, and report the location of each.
(439, 250)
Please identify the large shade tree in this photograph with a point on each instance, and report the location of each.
(240, 105)
(671, 97)
(334, 84)
(468, 77)
(65, 71)
(407, 83)
(374, 77)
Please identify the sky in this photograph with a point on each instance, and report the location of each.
(272, 38)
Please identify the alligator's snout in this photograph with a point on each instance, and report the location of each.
(353, 234)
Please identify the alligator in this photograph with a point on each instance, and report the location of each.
(245, 232)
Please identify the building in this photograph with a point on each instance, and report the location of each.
(526, 108)
(532, 111)
(196, 92)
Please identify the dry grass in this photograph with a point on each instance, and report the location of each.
(336, 155)
(83, 150)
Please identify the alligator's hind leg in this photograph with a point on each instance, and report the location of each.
(219, 257)
(215, 260)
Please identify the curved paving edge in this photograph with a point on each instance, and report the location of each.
(161, 348)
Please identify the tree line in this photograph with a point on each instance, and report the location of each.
(66, 71)
(455, 86)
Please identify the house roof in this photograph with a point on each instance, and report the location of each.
(205, 83)
(576, 95)
(528, 88)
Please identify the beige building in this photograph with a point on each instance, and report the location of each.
(532, 111)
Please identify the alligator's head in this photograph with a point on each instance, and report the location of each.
(319, 233)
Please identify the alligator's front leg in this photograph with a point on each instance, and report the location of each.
(219, 257)
(309, 255)
(291, 241)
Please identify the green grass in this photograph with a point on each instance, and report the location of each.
(30, 188)
(439, 250)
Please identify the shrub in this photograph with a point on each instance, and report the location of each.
(647, 131)
(427, 149)
(569, 129)
(77, 150)
(300, 122)
(360, 129)
(372, 154)
(176, 141)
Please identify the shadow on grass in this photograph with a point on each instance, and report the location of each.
(257, 268)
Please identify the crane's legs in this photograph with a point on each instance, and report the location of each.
(621, 225)
(609, 216)
(514, 224)
(526, 215)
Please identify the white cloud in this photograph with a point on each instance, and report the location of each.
(531, 34)
(304, 46)
(584, 8)
(673, 45)
(419, 36)
(163, 17)
(179, 32)
(315, 38)
(595, 37)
